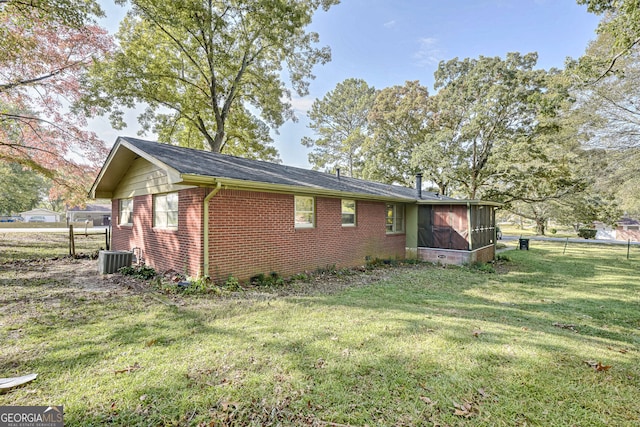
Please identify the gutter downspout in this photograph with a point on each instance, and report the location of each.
(206, 227)
(469, 225)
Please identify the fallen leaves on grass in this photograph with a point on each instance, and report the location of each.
(483, 393)
(223, 382)
(128, 369)
(598, 366)
(428, 401)
(565, 326)
(226, 406)
(465, 409)
(619, 350)
(477, 332)
(332, 424)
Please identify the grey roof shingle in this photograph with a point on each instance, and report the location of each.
(206, 163)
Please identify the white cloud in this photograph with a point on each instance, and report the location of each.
(301, 105)
(389, 24)
(428, 52)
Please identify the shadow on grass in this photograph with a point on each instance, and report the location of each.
(546, 293)
(368, 355)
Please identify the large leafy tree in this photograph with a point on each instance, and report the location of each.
(209, 72)
(609, 120)
(597, 169)
(540, 170)
(22, 188)
(398, 122)
(339, 121)
(438, 147)
(484, 105)
(620, 25)
(45, 46)
(613, 179)
(608, 109)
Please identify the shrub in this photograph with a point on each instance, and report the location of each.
(329, 269)
(198, 285)
(483, 267)
(503, 257)
(139, 272)
(380, 262)
(258, 279)
(232, 283)
(302, 277)
(273, 279)
(587, 233)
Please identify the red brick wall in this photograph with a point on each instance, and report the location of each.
(253, 232)
(162, 249)
(622, 234)
(486, 254)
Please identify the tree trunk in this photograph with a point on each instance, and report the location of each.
(541, 225)
(442, 188)
(216, 147)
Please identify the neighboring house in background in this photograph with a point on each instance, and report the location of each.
(40, 215)
(198, 212)
(625, 229)
(97, 214)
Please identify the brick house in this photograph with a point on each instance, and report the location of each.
(625, 229)
(198, 212)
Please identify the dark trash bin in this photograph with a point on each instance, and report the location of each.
(523, 244)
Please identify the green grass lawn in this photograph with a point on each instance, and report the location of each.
(549, 340)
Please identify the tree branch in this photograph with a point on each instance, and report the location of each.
(614, 59)
(7, 86)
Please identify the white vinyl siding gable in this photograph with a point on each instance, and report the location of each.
(143, 178)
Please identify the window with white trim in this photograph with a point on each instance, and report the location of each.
(395, 218)
(304, 212)
(125, 212)
(165, 210)
(348, 213)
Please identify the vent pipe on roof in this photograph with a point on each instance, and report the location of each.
(338, 172)
(419, 185)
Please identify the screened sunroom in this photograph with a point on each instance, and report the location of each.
(452, 231)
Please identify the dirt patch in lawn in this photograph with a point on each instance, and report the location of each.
(50, 280)
(80, 276)
(38, 289)
(332, 282)
(66, 274)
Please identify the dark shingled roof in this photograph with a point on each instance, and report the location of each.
(91, 208)
(206, 163)
(628, 221)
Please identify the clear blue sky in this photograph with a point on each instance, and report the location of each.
(387, 42)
